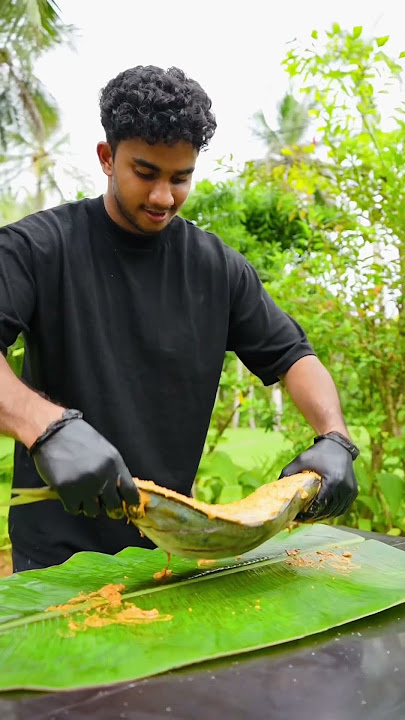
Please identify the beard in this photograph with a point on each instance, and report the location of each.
(124, 210)
(126, 213)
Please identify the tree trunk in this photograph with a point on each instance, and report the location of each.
(277, 397)
(252, 422)
(377, 455)
(236, 401)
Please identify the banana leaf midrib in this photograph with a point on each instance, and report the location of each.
(203, 575)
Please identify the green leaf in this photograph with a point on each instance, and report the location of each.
(204, 493)
(382, 40)
(402, 54)
(364, 524)
(222, 466)
(363, 475)
(230, 493)
(370, 502)
(249, 481)
(357, 30)
(33, 13)
(393, 490)
(220, 611)
(314, 34)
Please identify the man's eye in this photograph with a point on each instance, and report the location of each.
(179, 180)
(145, 176)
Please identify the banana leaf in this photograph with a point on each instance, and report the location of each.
(296, 584)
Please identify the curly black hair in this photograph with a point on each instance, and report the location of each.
(157, 106)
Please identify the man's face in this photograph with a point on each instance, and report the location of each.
(148, 184)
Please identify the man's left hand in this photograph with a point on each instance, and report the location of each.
(334, 463)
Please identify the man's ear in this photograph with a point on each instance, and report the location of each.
(105, 157)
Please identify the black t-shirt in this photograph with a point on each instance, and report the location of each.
(132, 331)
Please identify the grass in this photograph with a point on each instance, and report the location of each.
(250, 448)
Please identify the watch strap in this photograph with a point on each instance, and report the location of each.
(341, 440)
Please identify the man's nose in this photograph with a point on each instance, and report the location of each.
(161, 195)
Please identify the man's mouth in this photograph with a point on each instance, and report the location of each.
(156, 215)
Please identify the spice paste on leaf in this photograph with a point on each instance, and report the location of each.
(105, 607)
(321, 558)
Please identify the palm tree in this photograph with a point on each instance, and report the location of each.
(36, 163)
(28, 28)
(38, 158)
(29, 115)
(293, 120)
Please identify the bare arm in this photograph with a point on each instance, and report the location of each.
(80, 464)
(314, 393)
(24, 415)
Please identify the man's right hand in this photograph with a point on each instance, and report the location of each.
(86, 471)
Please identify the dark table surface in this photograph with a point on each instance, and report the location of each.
(354, 672)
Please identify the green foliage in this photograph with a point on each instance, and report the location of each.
(292, 121)
(15, 355)
(218, 208)
(274, 216)
(28, 28)
(351, 292)
(11, 208)
(253, 216)
(239, 394)
(220, 480)
(29, 115)
(249, 448)
(6, 472)
(341, 271)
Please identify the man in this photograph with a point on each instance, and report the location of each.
(127, 311)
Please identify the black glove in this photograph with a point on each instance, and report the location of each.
(331, 457)
(86, 471)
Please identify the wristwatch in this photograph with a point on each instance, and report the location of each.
(341, 440)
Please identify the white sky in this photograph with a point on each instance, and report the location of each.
(233, 49)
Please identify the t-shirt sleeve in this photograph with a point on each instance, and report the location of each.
(265, 338)
(17, 286)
